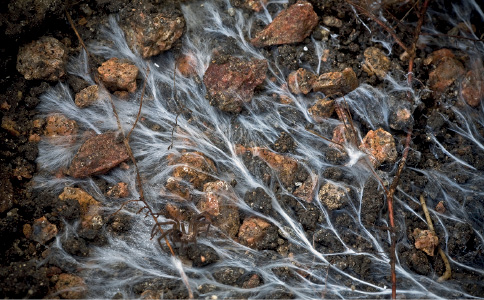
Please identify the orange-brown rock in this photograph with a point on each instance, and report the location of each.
(252, 231)
(42, 231)
(291, 25)
(71, 286)
(301, 81)
(440, 207)
(336, 83)
(98, 155)
(231, 84)
(187, 64)
(87, 96)
(447, 70)
(118, 75)
(89, 207)
(425, 240)
(43, 59)
(473, 87)
(322, 109)
(119, 190)
(376, 62)
(380, 145)
(59, 129)
(194, 168)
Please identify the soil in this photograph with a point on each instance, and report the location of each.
(21, 203)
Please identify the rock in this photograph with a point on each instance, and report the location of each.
(220, 202)
(301, 81)
(252, 231)
(98, 155)
(380, 145)
(376, 62)
(425, 240)
(255, 5)
(331, 21)
(230, 85)
(60, 130)
(87, 96)
(336, 83)
(400, 117)
(305, 190)
(440, 208)
(152, 33)
(118, 75)
(447, 70)
(332, 196)
(42, 231)
(6, 193)
(322, 109)
(89, 207)
(10, 126)
(292, 25)
(43, 59)
(473, 87)
(187, 65)
(71, 286)
(120, 190)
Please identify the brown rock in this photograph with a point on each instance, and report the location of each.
(120, 190)
(71, 287)
(59, 129)
(87, 96)
(447, 70)
(187, 64)
(301, 81)
(255, 5)
(90, 207)
(440, 207)
(305, 190)
(473, 87)
(331, 21)
(232, 84)
(152, 33)
(194, 168)
(292, 25)
(252, 231)
(380, 145)
(425, 240)
(118, 75)
(42, 231)
(43, 59)
(336, 83)
(220, 202)
(332, 196)
(376, 62)
(98, 155)
(10, 126)
(322, 109)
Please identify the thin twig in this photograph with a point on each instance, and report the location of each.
(140, 103)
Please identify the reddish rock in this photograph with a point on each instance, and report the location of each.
(232, 84)
(440, 207)
(90, 207)
(71, 286)
(42, 231)
(187, 64)
(301, 81)
(380, 145)
(120, 190)
(253, 230)
(425, 240)
(118, 75)
(292, 25)
(447, 70)
(152, 33)
(332, 196)
(336, 83)
(376, 62)
(60, 129)
(473, 87)
(43, 59)
(87, 96)
(322, 109)
(98, 155)
(220, 202)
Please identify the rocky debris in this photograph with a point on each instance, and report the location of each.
(301, 81)
(235, 276)
(118, 75)
(6, 193)
(87, 96)
(305, 190)
(70, 286)
(231, 84)
(332, 21)
(447, 69)
(400, 117)
(336, 83)
(322, 109)
(259, 201)
(120, 190)
(255, 5)
(473, 87)
(332, 195)
(98, 155)
(10, 126)
(380, 145)
(284, 143)
(376, 62)
(187, 65)
(60, 130)
(440, 208)
(201, 255)
(41, 231)
(152, 33)
(23, 169)
(220, 202)
(253, 231)
(89, 207)
(425, 240)
(292, 25)
(43, 59)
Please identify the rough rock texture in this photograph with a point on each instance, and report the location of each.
(187, 64)
(44, 59)
(232, 84)
(98, 155)
(447, 70)
(118, 75)
(87, 96)
(332, 196)
(152, 33)
(425, 240)
(71, 286)
(380, 145)
(220, 203)
(336, 83)
(473, 87)
(292, 25)
(301, 81)
(332, 21)
(322, 109)
(252, 231)
(6, 193)
(41, 231)
(376, 62)
(120, 190)
(60, 129)
(89, 206)
(255, 5)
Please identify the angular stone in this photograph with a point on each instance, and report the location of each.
(473, 87)
(292, 25)
(252, 230)
(332, 196)
(187, 64)
(118, 75)
(70, 286)
(87, 96)
(120, 190)
(42, 231)
(301, 81)
(376, 62)
(322, 109)
(232, 84)
(152, 33)
(336, 83)
(98, 155)
(89, 207)
(59, 129)
(192, 167)
(43, 59)
(447, 70)
(380, 145)
(425, 240)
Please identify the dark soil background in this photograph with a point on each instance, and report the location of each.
(24, 21)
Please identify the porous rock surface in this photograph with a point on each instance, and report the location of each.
(118, 75)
